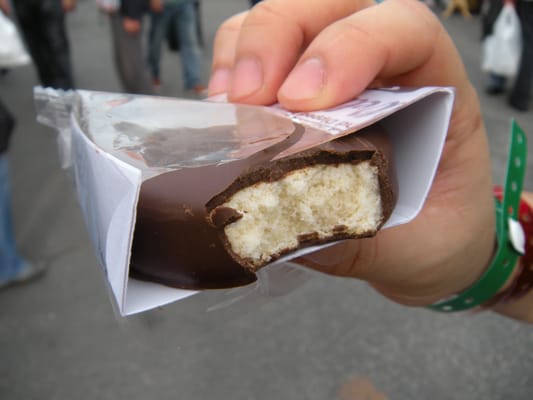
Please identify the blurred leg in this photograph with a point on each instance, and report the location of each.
(56, 42)
(449, 9)
(43, 28)
(10, 261)
(31, 24)
(190, 47)
(464, 8)
(129, 59)
(158, 28)
(521, 94)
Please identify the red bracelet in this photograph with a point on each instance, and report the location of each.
(524, 278)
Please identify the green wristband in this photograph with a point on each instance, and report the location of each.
(504, 261)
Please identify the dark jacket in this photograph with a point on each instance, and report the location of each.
(7, 124)
(134, 9)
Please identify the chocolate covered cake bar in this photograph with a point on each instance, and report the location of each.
(339, 190)
(188, 236)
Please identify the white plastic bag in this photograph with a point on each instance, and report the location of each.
(503, 48)
(108, 5)
(12, 51)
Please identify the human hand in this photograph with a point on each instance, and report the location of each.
(131, 26)
(68, 5)
(156, 6)
(320, 54)
(5, 7)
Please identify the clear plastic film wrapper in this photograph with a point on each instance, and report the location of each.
(121, 149)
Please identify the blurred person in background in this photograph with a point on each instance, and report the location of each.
(183, 17)
(42, 24)
(13, 267)
(520, 97)
(461, 5)
(128, 51)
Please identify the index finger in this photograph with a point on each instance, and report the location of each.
(270, 39)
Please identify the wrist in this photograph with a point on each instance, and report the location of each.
(480, 256)
(5, 7)
(509, 236)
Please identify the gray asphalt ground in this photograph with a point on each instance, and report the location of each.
(61, 339)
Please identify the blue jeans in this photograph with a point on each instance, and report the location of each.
(10, 261)
(189, 41)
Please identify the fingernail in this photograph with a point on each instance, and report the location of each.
(247, 77)
(219, 81)
(306, 80)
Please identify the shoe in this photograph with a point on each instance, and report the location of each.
(26, 274)
(493, 89)
(519, 105)
(156, 84)
(200, 90)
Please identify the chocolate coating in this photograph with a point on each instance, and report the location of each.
(173, 244)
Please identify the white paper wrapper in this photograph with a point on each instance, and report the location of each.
(113, 142)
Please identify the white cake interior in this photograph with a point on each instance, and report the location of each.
(315, 199)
